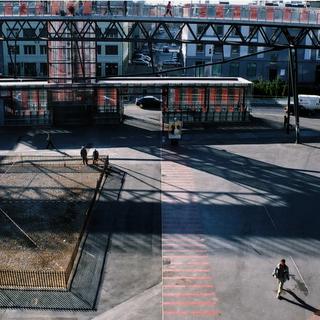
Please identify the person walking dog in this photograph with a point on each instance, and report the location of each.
(281, 272)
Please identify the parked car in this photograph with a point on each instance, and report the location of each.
(141, 56)
(148, 102)
(291, 109)
(309, 103)
(165, 49)
(172, 63)
(141, 62)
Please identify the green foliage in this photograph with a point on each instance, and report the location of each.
(274, 88)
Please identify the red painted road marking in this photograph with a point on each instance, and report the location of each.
(189, 303)
(189, 294)
(187, 285)
(187, 278)
(186, 270)
(183, 244)
(192, 312)
(200, 263)
(184, 250)
(187, 256)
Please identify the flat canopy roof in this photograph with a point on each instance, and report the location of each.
(176, 81)
(130, 82)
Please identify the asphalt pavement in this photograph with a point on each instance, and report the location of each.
(199, 228)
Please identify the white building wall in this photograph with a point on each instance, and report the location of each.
(21, 57)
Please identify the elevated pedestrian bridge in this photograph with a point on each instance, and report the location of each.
(298, 27)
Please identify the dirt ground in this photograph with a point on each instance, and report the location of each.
(49, 203)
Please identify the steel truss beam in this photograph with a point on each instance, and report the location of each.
(45, 28)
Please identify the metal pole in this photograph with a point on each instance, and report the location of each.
(287, 115)
(151, 56)
(293, 75)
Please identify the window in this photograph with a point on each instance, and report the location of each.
(98, 32)
(111, 50)
(234, 69)
(199, 71)
(200, 48)
(43, 69)
(252, 30)
(200, 28)
(219, 30)
(43, 33)
(235, 32)
(216, 70)
(30, 69)
(218, 49)
(11, 69)
(98, 69)
(14, 49)
(274, 57)
(29, 33)
(251, 69)
(29, 49)
(98, 49)
(235, 50)
(112, 33)
(111, 69)
(252, 50)
(12, 32)
(43, 49)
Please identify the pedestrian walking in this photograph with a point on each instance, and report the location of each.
(281, 272)
(125, 8)
(50, 144)
(108, 10)
(71, 9)
(168, 9)
(95, 156)
(84, 155)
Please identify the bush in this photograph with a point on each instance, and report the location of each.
(274, 88)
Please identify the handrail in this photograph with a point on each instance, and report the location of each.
(248, 12)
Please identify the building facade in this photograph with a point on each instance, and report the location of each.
(267, 66)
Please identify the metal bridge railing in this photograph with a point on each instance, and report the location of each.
(216, 11)
(33, 279)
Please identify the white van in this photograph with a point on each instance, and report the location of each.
(309, 103)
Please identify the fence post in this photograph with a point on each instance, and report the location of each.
(106, 163)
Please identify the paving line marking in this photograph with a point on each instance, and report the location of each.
(184, 250)
(190, 303)
(200, 263)
(191, 294)
(193, 312)
(186, 256)
(186, 278)
(187, 270)
(186, 285)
